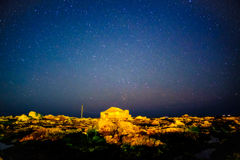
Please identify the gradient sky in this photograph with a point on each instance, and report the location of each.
(154, 58)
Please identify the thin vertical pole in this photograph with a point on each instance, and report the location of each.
(81, 111)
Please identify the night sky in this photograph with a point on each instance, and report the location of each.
(154, 58)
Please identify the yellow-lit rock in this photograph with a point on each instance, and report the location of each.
(125, 128)
(140, 118)
(140, 140)
(23, 117)
(34, 115)
(115, 112)
(179, 123)
(174, 130)
(152, 131)
(172, 125)
(105, 127)
(185, 115)
(48, 116)
(206, 124)
(155, 122)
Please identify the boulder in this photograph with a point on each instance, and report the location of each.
(179, 123)
(205, 154)
(152, 131)
(23, 117)
(206, 124)
(174, 130)
(49, 116)
(141, 140)
(105, 127)
(140, 118)
(185, 115)
(213, 140)
(112, 139)
(125, 128)
(34, 115)
(172, 125)
(155, 122)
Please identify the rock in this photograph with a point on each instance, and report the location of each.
(105, 127)
(155, 122)
(125, 128)
(172, 125)
(49, 116)
(205, 154)
(179, 123)
(206, 124)
(4, 146)
(23, 117)
(112, 140)
(213, 140)
(141, 140)
(208, 118)
(152, 131)
(174, 130)
(43, 134)
(34, 115)
(60, 118)
(185, 115)
(130, 119)
(140, 118)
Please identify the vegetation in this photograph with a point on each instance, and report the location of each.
(92, 141)
(194, 130)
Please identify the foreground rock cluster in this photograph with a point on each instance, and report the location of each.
(197, 137)
(132, 131)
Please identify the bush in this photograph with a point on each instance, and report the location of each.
(194, 129)
(92, 141)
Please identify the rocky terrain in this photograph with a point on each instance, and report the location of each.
(52, 137)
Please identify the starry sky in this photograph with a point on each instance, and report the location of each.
(153, 57)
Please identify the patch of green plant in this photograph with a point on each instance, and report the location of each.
(138, 151)
(132, 150)
(6, 123)
(194, 129)
(92, 141)
(224, 130)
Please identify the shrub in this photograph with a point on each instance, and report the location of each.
(92, 141)
(194, 129)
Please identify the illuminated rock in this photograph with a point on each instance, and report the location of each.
(112, 139)
(140, 118)
(34, 115)
(172, 125)
(125, 128)
(179, 123)
(152, 131)
(185, 115)
(49, 116)
(115, 112)
(23, 117)
(155, 122)
(141, 140)
(174, 130)
(43, 134)
(60, 118)
(208, 118)
(105, 127)
(206, 124)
